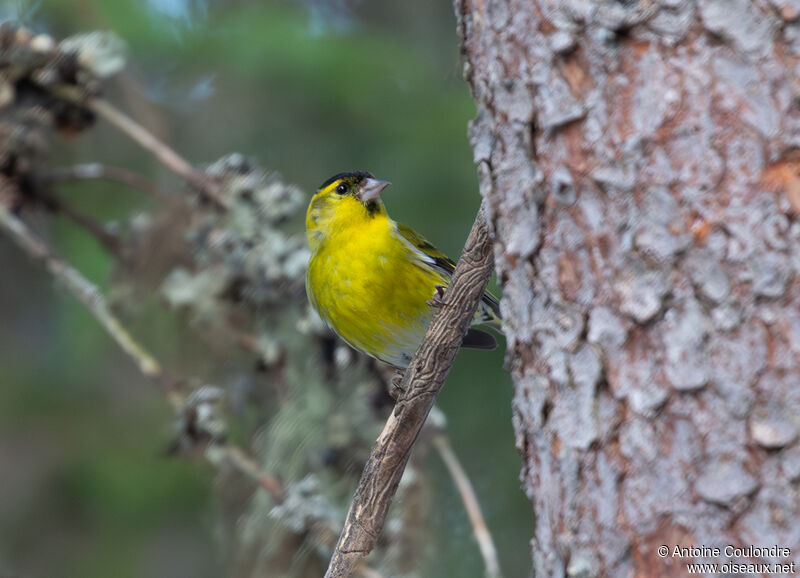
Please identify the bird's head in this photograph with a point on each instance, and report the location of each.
(344, 200)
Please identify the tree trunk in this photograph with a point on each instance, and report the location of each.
(640, 166)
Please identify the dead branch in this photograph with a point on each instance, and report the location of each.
(91, 171)
(165, 155)
(160, 150)
(109, 240)
(365, 572)
(86, 292)
(245, 464)
(89, 295)
(471, 505)
(421, 385)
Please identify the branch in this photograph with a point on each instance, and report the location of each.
(366, 572)
(240, 461)
(421, 385)
(83, 290)
(107, 239)
(90, 171)
(167, 156)
(471, 505)
(147, 140)
(92, 298)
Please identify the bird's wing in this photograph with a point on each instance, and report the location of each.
(426, 252)
(489, 309)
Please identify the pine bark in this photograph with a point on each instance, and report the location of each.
(640, 166)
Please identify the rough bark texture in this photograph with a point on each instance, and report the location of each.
(640, 166)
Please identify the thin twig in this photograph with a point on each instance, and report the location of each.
(83, 290)
(167, 156)
(245, 464)
(108, 240)
(421, 385)
(471, 505)
(367, 572)
(92, 171)
(147, 140)
(92, 298)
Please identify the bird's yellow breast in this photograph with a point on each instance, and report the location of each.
(365, 282)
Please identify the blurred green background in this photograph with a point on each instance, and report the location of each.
(309, 89)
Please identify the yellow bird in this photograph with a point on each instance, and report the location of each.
(373, 281)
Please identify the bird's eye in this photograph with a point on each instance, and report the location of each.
(342, 189)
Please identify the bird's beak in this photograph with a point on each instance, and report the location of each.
(371, 189)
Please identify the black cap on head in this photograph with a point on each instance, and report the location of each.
(354, 175)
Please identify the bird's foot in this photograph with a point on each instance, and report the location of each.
(438, 298)
(397, 384)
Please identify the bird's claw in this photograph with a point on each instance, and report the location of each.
(397, 386)
(438, 298)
